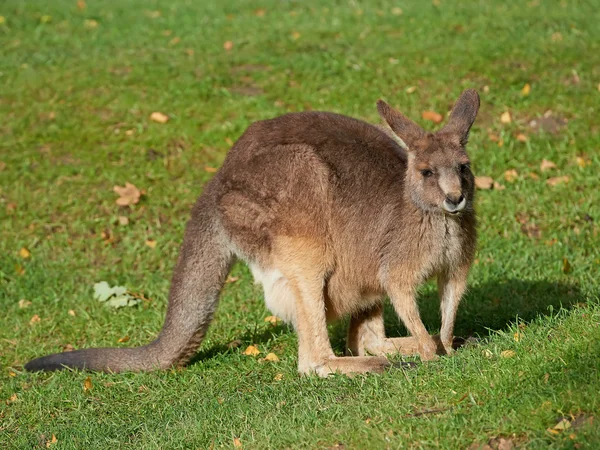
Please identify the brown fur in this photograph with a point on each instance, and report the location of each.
(332, 214)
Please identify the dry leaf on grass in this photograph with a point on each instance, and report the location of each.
(51, 442)
(151, 243)
(511, 175)
(228, 45)
(260, 12)
(24, 303)
(123, 339)
(410, 89)
(566, 266)
(231, 279)
(272, 357)
(237, 443)
(24, 253)
(159, 117)
(521, 137)
(87, 384)
(35, 319)
(582, 161)
(432, 116)
(547, 165)
(484, 182)
(557, 180)
(507, 354)
(278, 377)
(123, 220)
(526, 89)
(71, 313)
(128, 195)
(210, 169)
(499, 187)
(505, 117)
(274, 320)
(251, 350)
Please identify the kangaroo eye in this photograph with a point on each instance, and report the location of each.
(464, 168)
(426, 173)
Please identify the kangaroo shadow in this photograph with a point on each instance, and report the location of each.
(485, 308)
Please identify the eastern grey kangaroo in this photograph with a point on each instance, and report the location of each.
(331, 214)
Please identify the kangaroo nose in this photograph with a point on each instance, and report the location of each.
(454, 199)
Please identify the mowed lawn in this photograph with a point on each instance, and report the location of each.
(78, 84)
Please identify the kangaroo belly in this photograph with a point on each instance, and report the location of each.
(279, 298)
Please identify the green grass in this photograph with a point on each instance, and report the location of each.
(69, 93)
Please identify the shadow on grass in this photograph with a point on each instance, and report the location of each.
(485, 308)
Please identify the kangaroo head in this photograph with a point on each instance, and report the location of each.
(438, 177)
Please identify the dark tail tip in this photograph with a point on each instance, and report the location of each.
(57, 361)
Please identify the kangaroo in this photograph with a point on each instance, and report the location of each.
(331, 214)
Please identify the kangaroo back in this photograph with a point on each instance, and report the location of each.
(203, 265)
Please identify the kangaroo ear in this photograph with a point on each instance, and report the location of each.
(463, 115)
(408, 131)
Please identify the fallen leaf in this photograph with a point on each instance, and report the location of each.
(228, 45)
(151, 243)
(566, 266)
(488, 354)
(13, 398)
(260, 12)
(432, 116)
(494, 137)
(11, 373)
(2, 166)
(159, 117)
(499, 187)
(46, 19)
(511, 175)
(484, 182)
(237, 443)
(556, 37)
(3, 21)
(563, 424)
(153, 14)
(24, 303)
(547, 165)
(272, 357)
(278, 377)
(81, 4)
(521, 137)
(24, 253)
(505, 117)
(35, 319)
(252, 351)
(128, 195)
(507, 354)
(582, 161)
(557, 180)
(534, 176)
(296, 35)
(526, 89)
(90, 24)
(123, 220)
(123, 339)
(68, 348)
(231, 279)
(87, 384)
(19, 269)
(71, 313)
(518, 336)
(397, 11)
(274, 320)
(175, 40)
(411, 89)
(51, 442)
(210, 169)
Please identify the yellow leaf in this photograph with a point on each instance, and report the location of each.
(81, 4)
(151, 243)
(278, 377)
(175, 41)
(24, 253)
(511, 175)
(484, 182)
(3, 21)
(295, 35)
(526, 89)
(547, 165)
(518, 336)
(237, 443)
(35, 319)
(159, 117)
(51, 442)
(90, 24)
(11, 373)
(564, 424)
(252, 351)
(505, 117)
(260, 12)
(521, 137)
(557, 37)
(228, 45)
(272, 357)
(210, 169)
(397, 11)
(488, 354)
(566, 266)
(87, 384)
(582, 161)
(411, 89)
(432, 116)
(71, 313)
(123, 220)
(507, 354)
(272, 319)
(24, 303)
(557, 180)
(123, 339)
(46, 19)
(13, 398)
(499, 187)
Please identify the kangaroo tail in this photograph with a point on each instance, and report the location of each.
(199, 275)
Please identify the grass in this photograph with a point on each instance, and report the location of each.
(77, 87)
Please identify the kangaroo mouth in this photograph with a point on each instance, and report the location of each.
(452, 208)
